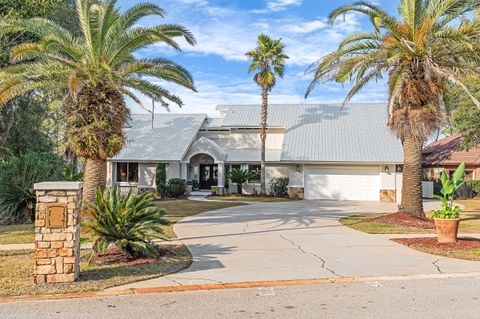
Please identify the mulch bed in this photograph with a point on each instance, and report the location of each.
(405, 220)
(431, 242)
(115, 256)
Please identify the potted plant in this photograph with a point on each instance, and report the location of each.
(447, 218)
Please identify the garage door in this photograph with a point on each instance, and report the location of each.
(346, 183)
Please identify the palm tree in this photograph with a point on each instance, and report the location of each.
(267, 60)
(240, 176)
(93, 73)
(429, 44)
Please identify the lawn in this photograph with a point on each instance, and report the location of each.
(250, 199)
(16, 273)
(175, 210)
(367, 222)
(178, 209)
(17, 234)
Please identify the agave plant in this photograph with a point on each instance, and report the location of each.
(240, 176)
(127, 222)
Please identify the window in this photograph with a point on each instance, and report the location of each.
(256, 170)
(127, 172)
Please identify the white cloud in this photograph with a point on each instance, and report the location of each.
(307, 27)
(277, 5)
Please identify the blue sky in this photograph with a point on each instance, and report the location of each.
(226, 29)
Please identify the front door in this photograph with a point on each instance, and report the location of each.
(208, 175)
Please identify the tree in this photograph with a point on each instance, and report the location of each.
(465, 118)
(93, 72)
(59, 10)
(240, 176)
(268, 60)
(429, 44)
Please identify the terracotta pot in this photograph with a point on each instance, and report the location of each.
(447, 230)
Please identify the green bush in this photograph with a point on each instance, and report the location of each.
(279, 186)
(161, 174)
(127, 222)
(475, 185)
(17, 176)
(174, 188)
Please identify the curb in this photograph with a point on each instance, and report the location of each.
(234, 285)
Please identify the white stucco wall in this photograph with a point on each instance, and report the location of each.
(246, 139)
(172, 170)
(296, 177)
(147, 174)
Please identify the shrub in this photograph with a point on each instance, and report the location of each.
(174, 188)
(475, 185)
(161, 174)
(128, 222)
(17, 176)
(240, 176)
(279, 186)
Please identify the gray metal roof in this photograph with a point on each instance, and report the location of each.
(314, 133)
(326, 132)
(168, 140)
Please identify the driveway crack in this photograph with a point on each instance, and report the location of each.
(245, 228)
(435, 263)
(323, 261)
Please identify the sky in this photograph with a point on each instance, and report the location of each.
(226, 29)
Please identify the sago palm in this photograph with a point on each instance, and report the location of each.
(240, 176)
(94, 72)
(268, 60)
(430, 43)
(128, 222)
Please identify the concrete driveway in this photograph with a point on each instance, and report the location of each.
(294, 240)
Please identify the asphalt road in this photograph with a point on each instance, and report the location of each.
(425, 298)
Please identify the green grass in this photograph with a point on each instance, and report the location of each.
(17, 234)
(250, 199)
(178, 209)
(365, 222)
(16, 273)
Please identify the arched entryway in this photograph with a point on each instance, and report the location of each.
(205, 170)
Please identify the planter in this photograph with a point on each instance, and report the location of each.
(447, 230)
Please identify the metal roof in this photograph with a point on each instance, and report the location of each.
(314, 133)
(168, 140)
(326, 132)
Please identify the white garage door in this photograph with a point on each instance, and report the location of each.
(347, 183)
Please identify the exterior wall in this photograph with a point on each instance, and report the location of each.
(296, 175)
(245, 139)
(476, 174)
(146, 175)
(173, 170)
(110, 177)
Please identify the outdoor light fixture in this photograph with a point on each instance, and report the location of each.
(387, 169)
(299, 169)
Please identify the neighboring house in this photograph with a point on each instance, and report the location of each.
(327, 152)
(445, 154)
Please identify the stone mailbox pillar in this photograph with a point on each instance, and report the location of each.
(57, 232)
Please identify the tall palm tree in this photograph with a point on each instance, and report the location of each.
(430, 43)
(268, 60)
(93, 73)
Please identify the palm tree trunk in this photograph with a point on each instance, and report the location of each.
(239, 189)
(95, 176)
(263, 137)
(412, 178)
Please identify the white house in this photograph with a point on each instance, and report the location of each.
(328, 152)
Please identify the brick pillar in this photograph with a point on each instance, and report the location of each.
(57, 232)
